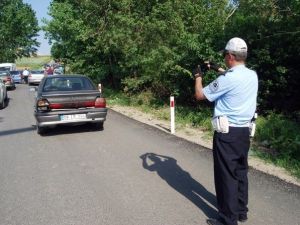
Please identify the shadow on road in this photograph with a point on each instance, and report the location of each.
(65, 129)
(168, 169)
(52, 131)
(16, 131)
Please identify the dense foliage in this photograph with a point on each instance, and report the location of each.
(135, 44)
(18, 30)
(272, 30)
(151, 46)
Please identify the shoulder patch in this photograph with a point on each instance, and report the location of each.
(214, 86)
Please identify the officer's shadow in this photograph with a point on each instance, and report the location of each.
(168, 169)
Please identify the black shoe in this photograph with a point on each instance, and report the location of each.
(214, 222)
(243, 218)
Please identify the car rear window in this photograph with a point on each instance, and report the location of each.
(15, 72)
(67, 84)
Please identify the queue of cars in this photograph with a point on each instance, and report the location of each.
(9, 76)
(60, 99)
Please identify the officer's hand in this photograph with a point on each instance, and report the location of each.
(197, 72)
(214, 66)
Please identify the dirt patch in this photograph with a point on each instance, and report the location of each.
(199, 137)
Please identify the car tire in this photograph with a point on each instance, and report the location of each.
(98, 126)
(2, 103)
(40, 130)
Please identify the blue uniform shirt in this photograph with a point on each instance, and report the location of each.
(235, 94)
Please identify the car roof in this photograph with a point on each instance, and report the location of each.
(66, 76)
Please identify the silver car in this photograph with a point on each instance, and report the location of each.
(5, 76)
(3, 94)
(68, 100)
(35, 76)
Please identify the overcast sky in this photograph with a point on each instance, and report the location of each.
(41, 8)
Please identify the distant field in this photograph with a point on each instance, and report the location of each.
(33, 62)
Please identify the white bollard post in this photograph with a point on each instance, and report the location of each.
(172, 107)
(100, 87)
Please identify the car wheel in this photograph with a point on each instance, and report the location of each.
(40, 130)
(2, 103)
(98, 126)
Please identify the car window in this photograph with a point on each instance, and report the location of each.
(15, 72)
(5, 68)
(67, 84)
(4, 74)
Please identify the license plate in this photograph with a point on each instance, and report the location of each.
(72, 117)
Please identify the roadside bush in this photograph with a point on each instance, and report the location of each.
(277, 132)
(197, 116)
(144, 98)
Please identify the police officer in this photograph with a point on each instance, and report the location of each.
(25, 74)
(235, 95)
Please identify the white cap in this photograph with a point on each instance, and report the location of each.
(236, 45)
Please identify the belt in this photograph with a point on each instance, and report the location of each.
(239, 125)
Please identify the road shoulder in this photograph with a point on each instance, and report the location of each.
(197, 136)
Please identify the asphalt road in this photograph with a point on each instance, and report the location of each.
(79, 176)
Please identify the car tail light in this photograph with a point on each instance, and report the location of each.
(42, 105)
(56, 106)
(89, 104)
(100, 103)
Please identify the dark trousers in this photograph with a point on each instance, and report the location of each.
(25, 79)
(230, 153)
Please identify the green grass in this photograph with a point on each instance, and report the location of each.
(291, 165)
(281, 137)
(185, 116)
(33, 62)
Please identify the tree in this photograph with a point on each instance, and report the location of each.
(272, 31)
(139, 44)
(18, 30)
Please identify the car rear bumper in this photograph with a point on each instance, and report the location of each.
(35, 81)
(18, 80)
(10, 85)
(49, 119)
